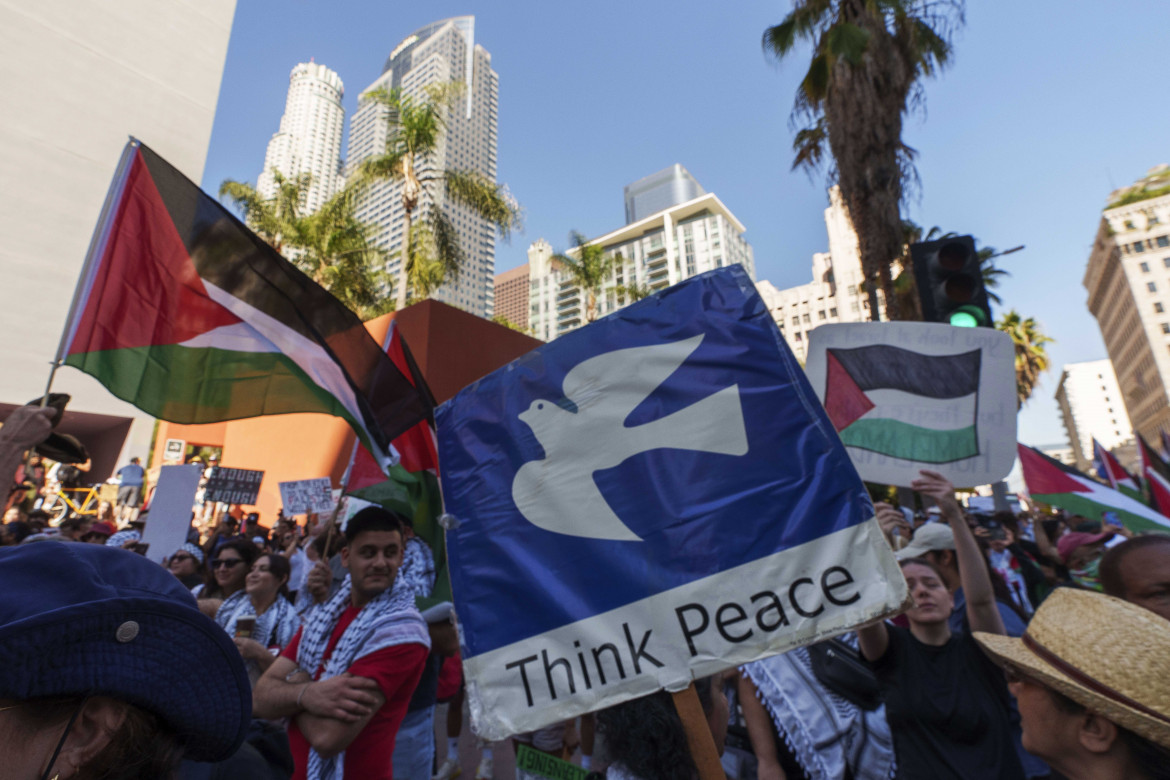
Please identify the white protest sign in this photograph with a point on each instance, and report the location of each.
(170, 510)
(652, 498)
(906, 396)
(173, 450)
(307, 495)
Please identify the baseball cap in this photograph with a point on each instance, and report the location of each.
(932, 536)
(1075, 539)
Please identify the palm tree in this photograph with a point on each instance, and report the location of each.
(334, 248)
(633, 291)
(588, 270)
(273, 219)
(415, 126)
(905, 287)
(1031, 356)
(867, 62)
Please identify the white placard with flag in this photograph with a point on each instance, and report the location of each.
(307, 495)
(905, 396)
(652, 498)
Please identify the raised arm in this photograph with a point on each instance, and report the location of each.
(982, 612)
(760, 731)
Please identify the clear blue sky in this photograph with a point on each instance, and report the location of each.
(1045, 109)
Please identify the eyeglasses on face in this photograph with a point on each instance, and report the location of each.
(228, 562)
(182, 557)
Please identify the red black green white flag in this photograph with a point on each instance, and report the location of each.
(869, 389)
(1156, 474)
(1111, 470)
(184, 312)
(1051, 482)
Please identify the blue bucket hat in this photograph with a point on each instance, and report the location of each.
(84, 619)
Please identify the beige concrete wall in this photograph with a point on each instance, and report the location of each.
(79, 78)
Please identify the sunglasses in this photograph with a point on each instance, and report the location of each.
(228, 562)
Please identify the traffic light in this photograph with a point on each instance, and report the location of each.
(950, 282)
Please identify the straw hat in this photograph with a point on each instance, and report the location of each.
(1101, 652)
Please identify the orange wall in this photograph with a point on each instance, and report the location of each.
(452, 349)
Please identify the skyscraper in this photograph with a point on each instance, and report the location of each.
(309, 138)
(1091, 408)
(1128, 279)
(439, 52)
(669, 187)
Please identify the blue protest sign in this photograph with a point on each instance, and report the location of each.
(654, 497)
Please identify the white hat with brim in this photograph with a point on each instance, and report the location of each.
(1104, 653)
(928, 538)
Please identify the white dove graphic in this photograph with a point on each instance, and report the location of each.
(558, 493)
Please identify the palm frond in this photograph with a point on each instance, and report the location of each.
(486, 198)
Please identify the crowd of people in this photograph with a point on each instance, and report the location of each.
(1030, 647)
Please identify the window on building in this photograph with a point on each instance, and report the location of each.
(821, 314)
(833, 312)
(1166, 327)
(1162, 240)
(1166, 262)
(1158, 308)
(797, 337)
(795, 321)
(806, 317)
(1145, 267)
(852, 289)
(1138, 246)
(1151, 287)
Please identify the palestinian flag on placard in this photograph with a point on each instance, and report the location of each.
(1051, 482)
(1157, 476)
(903, 403)
(187, 314)
(1110, 470)
(411, 486)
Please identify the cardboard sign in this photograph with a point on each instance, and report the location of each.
(307, 495)
(233, 486)
(906, 396)
(170, 510)
(652, 498)
(174, 450)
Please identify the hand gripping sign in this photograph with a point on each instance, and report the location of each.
(655, 497)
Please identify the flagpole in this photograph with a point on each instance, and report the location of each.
(96, 244)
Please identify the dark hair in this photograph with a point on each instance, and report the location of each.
(144, 747)
(927, 563)
(372, 518)
(646, 735)
(247, 551)
(71, 523)
(1152, 760)
(1008, 520)
(18, 530)
(278, 566)
(1112, 561)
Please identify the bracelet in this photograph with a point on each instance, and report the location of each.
(301, 695)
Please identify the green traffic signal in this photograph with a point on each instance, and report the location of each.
(967, 317)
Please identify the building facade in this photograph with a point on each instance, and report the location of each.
(309, 138)
(1128, 280)
(444, 51)
(512, 296)
(83, 77)
(658, 191)
(834, 295)
(1091, 407)
(655, 252)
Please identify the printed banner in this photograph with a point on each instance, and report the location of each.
(307, 495)
(233, 486)
(652, 498)
(905, 396)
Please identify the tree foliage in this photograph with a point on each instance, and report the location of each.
(1031, 356)
(415, 127)
(588, 267)
(868, 60)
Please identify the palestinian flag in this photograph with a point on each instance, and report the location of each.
(1157, 476)
(904, 404)
(1110, 470)
(184, 312)
(1051, 482)
(411, 486)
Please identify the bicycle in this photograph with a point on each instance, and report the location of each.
(84, 502)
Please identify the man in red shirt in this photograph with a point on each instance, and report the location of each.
(346, 678)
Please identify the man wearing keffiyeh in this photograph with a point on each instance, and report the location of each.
(346, 678)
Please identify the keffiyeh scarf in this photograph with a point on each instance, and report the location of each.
(825, 733)
(418, 567)
(275, 627)
(390, 619)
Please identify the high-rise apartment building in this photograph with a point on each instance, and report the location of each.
(309, 138)
(668, 187)
(82, 77)
(1091, 408)
(655, 252)
(1128, 279)
(834, 295)
(444, 51)
(512, 296)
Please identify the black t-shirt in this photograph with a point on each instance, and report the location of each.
(948, 710)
